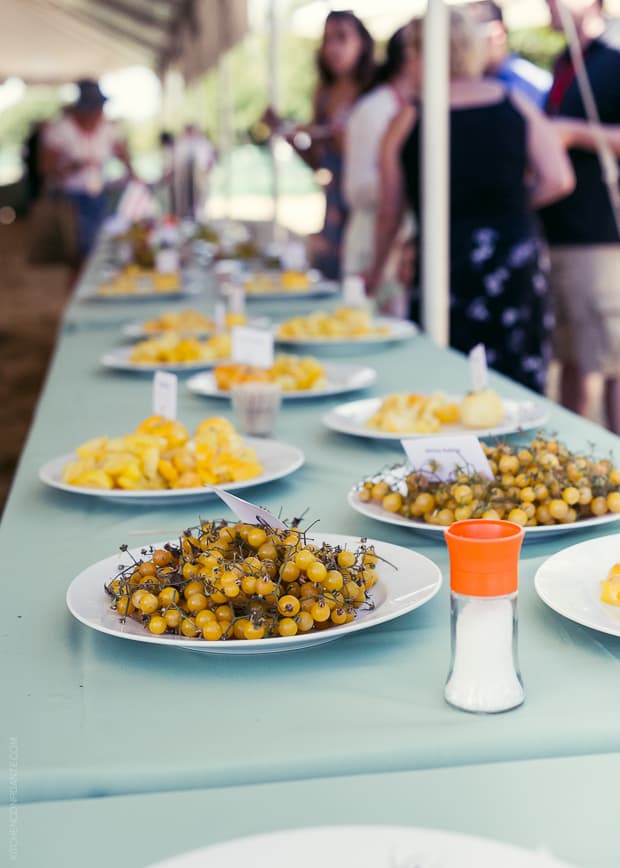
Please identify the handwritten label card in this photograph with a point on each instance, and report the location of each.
(478, 368)
(252, 347)
(236, 299)
(246, 511)
(354, 291)
(165, 388)
(219, 315)
(440, 457)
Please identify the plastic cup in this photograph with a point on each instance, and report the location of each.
(256, 406)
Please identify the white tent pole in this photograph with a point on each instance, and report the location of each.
(435, 184)
(226, 125)
(274, 65)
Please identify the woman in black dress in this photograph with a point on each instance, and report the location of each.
(505, 160)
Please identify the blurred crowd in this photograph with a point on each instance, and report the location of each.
(534, 234)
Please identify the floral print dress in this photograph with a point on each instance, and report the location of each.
(498, 269)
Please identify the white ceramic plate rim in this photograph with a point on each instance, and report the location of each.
(119, 360)
(379, 846)
(399, 329)
(402, 596)
(569, 564)
(291, 459)
(186, 292)
(350, 418)
(376, 512)
(136, 330)
(353, 377)
(318, 288)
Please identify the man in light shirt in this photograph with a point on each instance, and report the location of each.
(76, 151)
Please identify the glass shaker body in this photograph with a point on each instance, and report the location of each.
(484, 671)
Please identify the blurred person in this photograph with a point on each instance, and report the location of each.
(504, 65)
(192, 159)
(365, 129)
(582, 229)
(75, 153)
(505, 159)
(346, 70)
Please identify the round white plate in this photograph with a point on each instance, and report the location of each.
(148, 295)
(408, 581)
(351, 418)
(340, 378)
(136, 331)
(398, 330)
(317, 289)
(278, 460)
(373, 510)
(363, 847)
(569, 582)
(119, 359)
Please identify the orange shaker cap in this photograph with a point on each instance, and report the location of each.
(484, 557)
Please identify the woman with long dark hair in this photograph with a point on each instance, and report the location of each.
(345, 65)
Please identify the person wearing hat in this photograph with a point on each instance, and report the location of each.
(76, 150)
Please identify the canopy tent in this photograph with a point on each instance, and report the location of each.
(53, 41)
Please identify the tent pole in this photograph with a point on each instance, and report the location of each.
(226, 126)
(435, 183)
(274, 66)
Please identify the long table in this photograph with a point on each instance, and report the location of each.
(99, 716)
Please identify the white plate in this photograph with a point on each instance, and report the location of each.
(569, 582)
(147, 295)
(398, 330)
(340, 378)
(317, 289)
(119, 359)
(351, 419)
(373, 510)
(363, 847)
(408, 581)
(278, 460)
(136, 331)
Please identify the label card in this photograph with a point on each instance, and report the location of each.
(478, 368)
(236, 299)
(165, 388)
(354, 291)
(246, 511)
(219, 316)
(440, 457)
(252, 346)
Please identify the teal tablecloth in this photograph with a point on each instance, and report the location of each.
(565, 807)
(101, 716)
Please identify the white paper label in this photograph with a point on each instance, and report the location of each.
(441, 457)
(219, 315)
(246, 511)
(236, 299)
(478, 368)
(165, 387)
(353, 291)
(167, 260)
(252, 347)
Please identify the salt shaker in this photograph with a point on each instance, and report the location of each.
(484, 672)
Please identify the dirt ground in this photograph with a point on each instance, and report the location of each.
(31, 301)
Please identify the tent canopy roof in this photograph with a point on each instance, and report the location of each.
(50, 41)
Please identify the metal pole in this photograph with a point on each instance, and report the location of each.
(273, 61)
(435, 167)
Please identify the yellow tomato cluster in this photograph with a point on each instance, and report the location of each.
(133, 279)
(540, 484)
(425, 414)
(419, 414)
(610, 592)
(189, 322)
(243, 581)
(172, 348)
(291, 373)
(345, 323)
(159, 454)
(284, 281)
